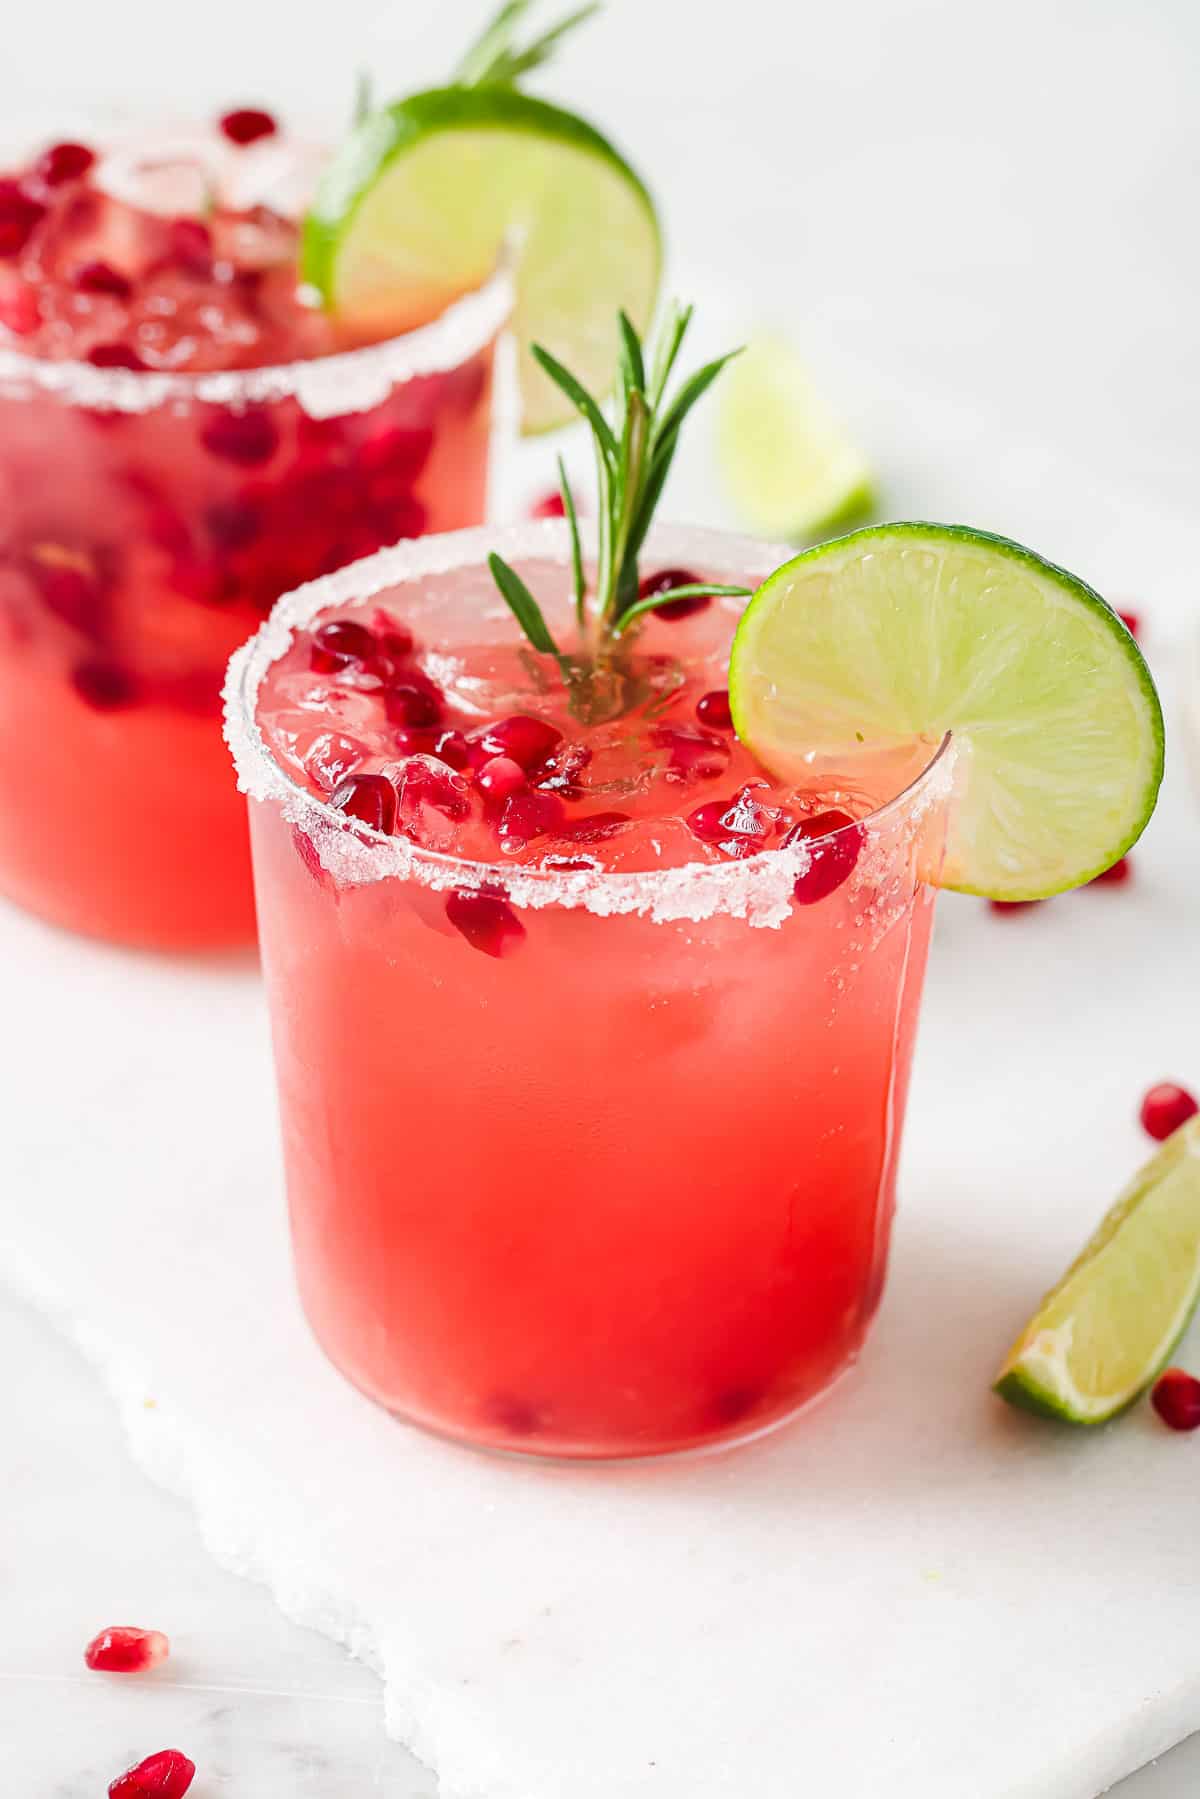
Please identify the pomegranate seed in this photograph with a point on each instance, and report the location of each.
(166, 1775)
(104, 686)
(485, 919)
(392, 459)
(673, 577)
(833, 860)
(397, 644)
(102, 278)
(192, 247)
(695, 755)
(1164, 1108)
(246, 124)
(233, 524)
(549, 506)
(712, 709)
(248, 438)
(20, 312)
(114, 356)
(522, 739)
(1116, 876)
(593, 828)
(737, 827)
(123, 1649)
(451, 747)
(63, 162)
(529, 815)
(338, 644)
(1132, 622)
(72, 594)
(413, 699)
(1176, 1399)
(1013, 905)
(19, 213)
(501, 777)
(369, 798)
(416, 740)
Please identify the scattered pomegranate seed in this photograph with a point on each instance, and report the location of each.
(114, 356)
(501, 777)
(1116, 876)
(102, 278)
(592, 828)
(528, 815)
(166, 1775)
(549, 506)
(1176, 1399)
(413, 699)
(417, 740)
(485, 919)
(248, 438)
(837, 842)
(192, 247)
(19, 213)
(522, 739)
(246, 124)
(673, 577)
(712, 709)
(369, 798)
(63, 162)
(397, 643)
(1013, 905)
(67, 589)
(104, 686)
(1132, 622)
(737, 827)
(1164, 1108)
(338, 644)
(123, 1649)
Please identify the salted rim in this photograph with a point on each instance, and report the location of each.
(323, 386)
(757, 889)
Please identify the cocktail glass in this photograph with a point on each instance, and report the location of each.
(148, 521)
(582, 1162)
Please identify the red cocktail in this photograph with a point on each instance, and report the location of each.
(593, 1039)
(182, 438)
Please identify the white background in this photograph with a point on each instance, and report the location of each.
(979, 221)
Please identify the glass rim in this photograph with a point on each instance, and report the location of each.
(345, 381)
(757, 887)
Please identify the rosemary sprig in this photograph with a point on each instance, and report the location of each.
(633, 459)
(494, 60)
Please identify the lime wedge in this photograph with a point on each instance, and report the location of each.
(416, 207)
(789, 467)
(912, 630)
(1101, 1336)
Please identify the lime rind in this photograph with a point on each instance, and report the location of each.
(911, 630)
(1105, 1332)
(424, 197)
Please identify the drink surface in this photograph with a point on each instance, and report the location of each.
(433, 720)
(565, 1180)
(156, 257)
(143, 537)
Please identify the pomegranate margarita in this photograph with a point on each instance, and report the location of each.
(592, 1038)
(183, 437)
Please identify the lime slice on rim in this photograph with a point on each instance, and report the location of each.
(912, 630)
(418, 204)
(1102, 1335)
(789, 467)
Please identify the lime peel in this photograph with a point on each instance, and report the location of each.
(1109, 1327)
(913, 630)
(424, 197)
